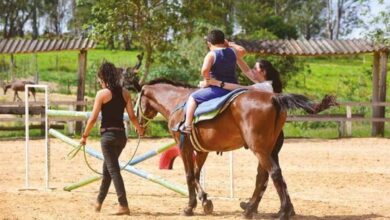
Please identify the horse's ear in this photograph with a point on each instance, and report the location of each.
(137, 86)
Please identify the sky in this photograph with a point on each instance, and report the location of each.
(375, 9)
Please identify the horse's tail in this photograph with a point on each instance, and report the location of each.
(284, 102)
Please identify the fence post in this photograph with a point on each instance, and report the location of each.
(43, 130)
(348, 124)
(341, 128)
(70, 124)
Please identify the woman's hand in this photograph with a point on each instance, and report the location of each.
(140, 130)
(83, 140)
(226, 43)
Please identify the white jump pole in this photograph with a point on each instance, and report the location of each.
(27, 134)
(231, 176)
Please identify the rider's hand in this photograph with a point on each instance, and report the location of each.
(203, 84)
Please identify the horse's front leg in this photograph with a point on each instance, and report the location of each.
(207, 204)
(261, 186)
(186, 155)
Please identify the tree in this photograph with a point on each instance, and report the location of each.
(381, 23)
(258, 15)
(55, 11)
(342, 16)
(309, 18)
(153, 21)
(14, 16)
(148, 22)
(195, 15)
(79, 23)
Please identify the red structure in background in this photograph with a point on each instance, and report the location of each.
(168, 158)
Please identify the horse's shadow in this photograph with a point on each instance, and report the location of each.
(327, 217)
(238, 214)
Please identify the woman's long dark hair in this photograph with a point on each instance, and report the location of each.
(109, 74)
(271, 74)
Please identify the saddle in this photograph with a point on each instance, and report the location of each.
(207, 111)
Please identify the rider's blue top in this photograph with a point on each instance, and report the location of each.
(224, 67)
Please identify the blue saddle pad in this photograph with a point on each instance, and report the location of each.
(209, 109)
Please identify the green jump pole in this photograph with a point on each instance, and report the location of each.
(82, 183)
(129, 168)
(134, 161)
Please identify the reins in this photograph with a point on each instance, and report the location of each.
(74, 152)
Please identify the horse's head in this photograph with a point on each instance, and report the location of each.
(130, 79)
(145, 110)
(5, 88)
(161, 95)
(129, 75)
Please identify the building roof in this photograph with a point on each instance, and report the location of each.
(15, 46)
(311, 47)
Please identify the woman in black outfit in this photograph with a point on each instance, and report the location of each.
(111, 100)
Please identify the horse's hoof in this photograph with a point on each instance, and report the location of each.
(247, 215)
(188, 211)
(244, 205)
(208, 207)
(285, 215)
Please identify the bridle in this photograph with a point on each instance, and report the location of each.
(138, 110)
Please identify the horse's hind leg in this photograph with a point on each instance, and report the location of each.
(255, 206)
(17, 96)
(186, 155)
(286, 207)
(202, 195)
(280, 187)
(261, 186)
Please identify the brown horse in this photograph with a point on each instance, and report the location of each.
(18, 86)
(254, 119)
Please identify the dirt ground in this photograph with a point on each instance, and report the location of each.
(327, 179)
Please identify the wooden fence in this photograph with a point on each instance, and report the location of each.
(344, 120)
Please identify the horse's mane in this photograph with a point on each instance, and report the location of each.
(170, 82)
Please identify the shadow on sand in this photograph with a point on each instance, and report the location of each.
(238, 214)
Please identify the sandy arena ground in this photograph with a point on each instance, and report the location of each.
(327, 179)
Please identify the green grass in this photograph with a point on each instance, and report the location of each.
(347, 77)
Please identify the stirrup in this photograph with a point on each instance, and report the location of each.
(185, 129)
